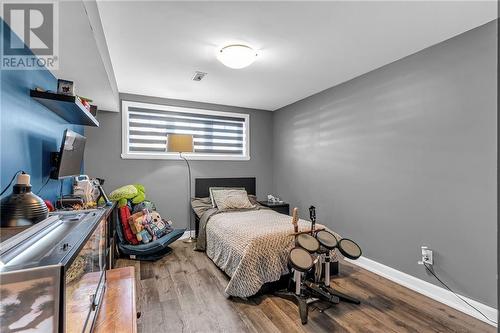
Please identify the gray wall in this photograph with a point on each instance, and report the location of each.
(405, 156)
(166, 180)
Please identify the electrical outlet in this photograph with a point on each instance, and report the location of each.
(427, 256)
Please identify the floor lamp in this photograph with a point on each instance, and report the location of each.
(183, 143)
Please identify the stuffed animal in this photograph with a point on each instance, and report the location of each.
(141, 194)
(136, 222)
(155, 216)
(155, 225)
(146, 204)
(157, 219)
(169, 227)
(136, 193)
(144, 236)
(127, 232)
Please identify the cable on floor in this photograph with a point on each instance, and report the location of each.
(430, 270)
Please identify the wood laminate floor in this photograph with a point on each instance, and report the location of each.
(184, 292)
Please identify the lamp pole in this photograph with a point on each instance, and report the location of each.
(191, 239)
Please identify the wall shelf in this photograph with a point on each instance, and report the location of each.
(67, 107)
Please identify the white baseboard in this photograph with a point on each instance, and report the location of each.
(428, 289)
(185, 235)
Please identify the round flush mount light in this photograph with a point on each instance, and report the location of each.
(236, 55)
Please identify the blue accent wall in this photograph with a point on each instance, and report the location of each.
(29, 132)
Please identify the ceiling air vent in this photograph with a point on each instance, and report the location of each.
(198, 76)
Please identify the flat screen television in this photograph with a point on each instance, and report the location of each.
(68, 162)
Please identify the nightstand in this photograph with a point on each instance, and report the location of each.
(282, 207)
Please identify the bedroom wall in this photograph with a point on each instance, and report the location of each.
(405, 156)
(29, 132)
(166, 180)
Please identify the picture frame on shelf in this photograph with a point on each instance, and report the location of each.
(65, 87)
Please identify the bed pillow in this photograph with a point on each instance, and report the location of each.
(231, 199)
(201, 205)
(211, 189)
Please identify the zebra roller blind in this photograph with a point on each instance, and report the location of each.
(216, 134)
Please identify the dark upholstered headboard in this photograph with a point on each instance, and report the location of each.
(203, 184)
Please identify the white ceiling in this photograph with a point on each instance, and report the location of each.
(156, 47)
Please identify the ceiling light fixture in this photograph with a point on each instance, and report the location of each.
(237, 56)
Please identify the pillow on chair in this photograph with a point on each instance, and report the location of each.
(231, 199)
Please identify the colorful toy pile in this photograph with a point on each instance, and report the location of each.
(139, 219)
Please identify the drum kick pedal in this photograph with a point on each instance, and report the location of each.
(340, 296)
(324, 255)
(305, 294)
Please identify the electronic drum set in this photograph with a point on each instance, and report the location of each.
(312, 250)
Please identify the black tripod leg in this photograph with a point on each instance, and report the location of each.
(291, 285)
(302, 303)
(341, 296)
(303, 310)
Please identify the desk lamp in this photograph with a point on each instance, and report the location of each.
(22, 207)
(183, 143)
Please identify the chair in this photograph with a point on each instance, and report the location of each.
(151, 251)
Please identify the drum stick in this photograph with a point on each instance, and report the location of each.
(295, 219)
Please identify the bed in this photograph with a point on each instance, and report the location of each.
(251, 246)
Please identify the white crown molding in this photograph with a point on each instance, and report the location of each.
(428, 289)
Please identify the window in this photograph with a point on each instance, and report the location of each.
(216, 135)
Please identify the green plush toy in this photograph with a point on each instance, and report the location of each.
(141, 194)
(136, 193)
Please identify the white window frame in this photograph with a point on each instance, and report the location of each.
(126, 154)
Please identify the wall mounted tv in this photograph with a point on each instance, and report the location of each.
(68, 162)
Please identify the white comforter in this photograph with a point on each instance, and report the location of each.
(252, 247)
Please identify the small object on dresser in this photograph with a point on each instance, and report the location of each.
(50, 206)
(69, 203)
(65, 87)
(93, 110)
(272, 199)
(85, 188)
(281, 207)
(86, 103)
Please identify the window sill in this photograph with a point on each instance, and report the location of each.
(131, 156)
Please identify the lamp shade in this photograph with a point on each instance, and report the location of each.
(22, 208)
(180, 143)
